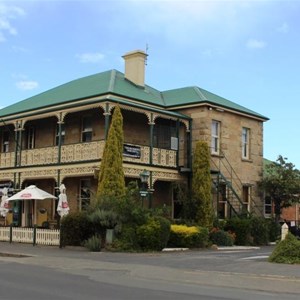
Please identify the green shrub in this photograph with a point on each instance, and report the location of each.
(75, 229)
(220, 237)
(93, 243)
(251, 231)
(154, 234)
(102, 220)
(107, 219)
(165, 228)
(219, 223)
(274, 230)
(259, 231)
(147, 235)
(191, 237)
(242, 230)
(126, 239)
(287, 251)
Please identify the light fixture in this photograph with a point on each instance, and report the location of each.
(144, 176)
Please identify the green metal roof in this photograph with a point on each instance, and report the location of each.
(114, 82)
(194, 95)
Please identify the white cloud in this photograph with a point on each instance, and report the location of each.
(2, 38)
(7, 13)
(19, 49)
(27, 85)
(284, 28)
(255, 44)
(218, 23)
(90, 57)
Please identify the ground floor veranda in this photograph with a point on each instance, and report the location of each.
(81, 192)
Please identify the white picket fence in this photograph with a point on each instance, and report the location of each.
(36, 236)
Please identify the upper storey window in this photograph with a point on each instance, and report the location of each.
(30, 137)
(215, 137)
(87, 129)
(5, 141)
(245, 142)
(62, 134)
(164, 135)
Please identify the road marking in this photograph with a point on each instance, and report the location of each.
(255, 257)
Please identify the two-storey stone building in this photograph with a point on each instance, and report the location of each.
(59, 136)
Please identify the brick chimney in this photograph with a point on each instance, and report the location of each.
(135, 66)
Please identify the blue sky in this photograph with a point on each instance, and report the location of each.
(245, 51)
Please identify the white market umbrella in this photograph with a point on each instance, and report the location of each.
(62, 206)
(4, 207)
(31, 193)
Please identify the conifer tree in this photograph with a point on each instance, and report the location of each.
(111, 182)
(201, 185)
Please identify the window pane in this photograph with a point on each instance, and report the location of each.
(63, 132)
(87, 129)
(30, 138)
(268, 205)
(85, 194)
(245, 142)
(215, 136)
(163, 133)
(5, 143)
(87, 124)
(87, 136)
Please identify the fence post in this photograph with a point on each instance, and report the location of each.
(34, 235)
(10, 232)
(284, 231)
(60, 238)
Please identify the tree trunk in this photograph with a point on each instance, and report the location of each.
(277, 204)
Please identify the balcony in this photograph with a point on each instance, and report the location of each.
(7, 159)
(79, 152)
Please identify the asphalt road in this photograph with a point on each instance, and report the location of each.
(73, 273)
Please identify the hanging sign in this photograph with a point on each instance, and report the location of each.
(131, 151)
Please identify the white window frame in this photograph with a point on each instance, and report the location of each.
(5, 141)
(215, 137)
(268, 206)
(84, 194)
(245, 143)
(246, 197)
(63, 133)
(87, 129)
(223, 203)
(31, 137)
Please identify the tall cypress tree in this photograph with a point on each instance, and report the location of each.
(201, 185)
(111, 181)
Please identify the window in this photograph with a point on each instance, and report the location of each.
(87, 130)
(215, 137)
(164, 135)
(245, 142)
(222, 201)
(268, 206)
(30, 138)
(5, 141)
(85, 194)
(62, 133)
(246, 198)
